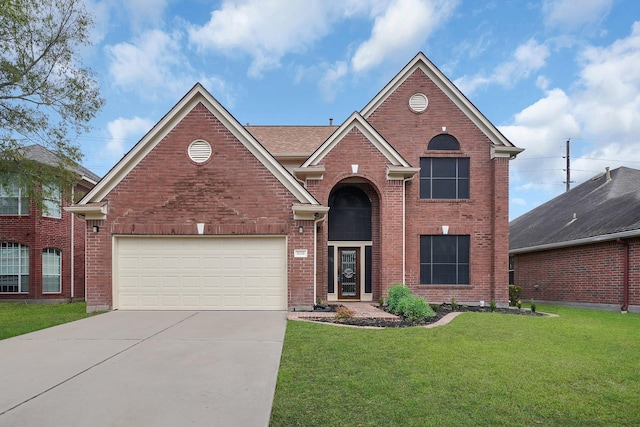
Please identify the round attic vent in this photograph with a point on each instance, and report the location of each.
(199, 151)
(418, 102)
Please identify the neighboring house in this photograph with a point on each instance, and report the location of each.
(583, 247)
(204, 213)
(41, 251)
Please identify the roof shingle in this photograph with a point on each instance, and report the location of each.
(601, 207)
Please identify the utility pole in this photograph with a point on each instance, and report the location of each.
(568, 181)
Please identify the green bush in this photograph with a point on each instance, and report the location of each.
(396, 293)
(514, 294)
(415, 308)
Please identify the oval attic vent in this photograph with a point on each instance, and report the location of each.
(418, 102)
(199, 151)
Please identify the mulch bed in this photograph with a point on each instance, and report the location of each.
(442, 311)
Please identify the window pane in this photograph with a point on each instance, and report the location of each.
(425, 188)
(463, 189)
(444, 167)
(463, 249)
(463, 274)
(425, 249)
(50, 270)
(425, 274)
(463, 167)
(425, 167)
(444, 249)
(52, 204)
(444, 274)
(444, 188)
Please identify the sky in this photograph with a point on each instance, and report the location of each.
(543, 72)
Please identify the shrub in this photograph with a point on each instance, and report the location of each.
(396, 293)
(533, 306)
(492, 305)
(344, 313)
(514, 294)
(415, 308)
(454, 304)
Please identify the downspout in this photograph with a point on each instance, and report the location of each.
(625, 280)
(315, 257)
(404, 229)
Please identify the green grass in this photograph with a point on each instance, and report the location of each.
(580, 369)
(18, 318)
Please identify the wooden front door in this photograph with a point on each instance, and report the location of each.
(349, 273)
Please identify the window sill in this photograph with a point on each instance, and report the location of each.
(444, 200)
(444, 286)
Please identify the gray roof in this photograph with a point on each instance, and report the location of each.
(42, 155)
(598, 209)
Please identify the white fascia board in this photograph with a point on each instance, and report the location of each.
(506, 152)
(420, 61)
(577, 242)
(92, 211)
(196, 95)
(308, 212)
(358, 122)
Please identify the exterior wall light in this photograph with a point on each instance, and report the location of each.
(96, 228)
(301, 229)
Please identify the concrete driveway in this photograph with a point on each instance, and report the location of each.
(133, 368)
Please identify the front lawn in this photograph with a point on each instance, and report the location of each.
(17, 318)
(580, 369)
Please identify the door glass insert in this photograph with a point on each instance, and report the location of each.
(349, 273)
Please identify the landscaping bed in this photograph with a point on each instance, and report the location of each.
(440, 311)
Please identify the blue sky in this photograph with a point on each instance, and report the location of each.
(542, 71)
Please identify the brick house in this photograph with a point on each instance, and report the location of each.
(41, 251)
(583, 247)
(204, 213)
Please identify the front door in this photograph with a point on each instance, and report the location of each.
(349, 273)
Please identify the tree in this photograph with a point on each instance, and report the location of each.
(46, 96)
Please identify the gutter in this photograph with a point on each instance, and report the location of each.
(625, 280)
(576, 242)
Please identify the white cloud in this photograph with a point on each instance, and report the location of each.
(264, 29)
(569, 15)
(601, 116)
(401, 28)
(146, 64)
(124, 133)
(142, 12)
(331, 79)
(527, 58)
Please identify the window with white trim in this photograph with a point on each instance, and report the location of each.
(13, 200)
(14, 268)
(444, 259)
(51, 271)
(52, 203)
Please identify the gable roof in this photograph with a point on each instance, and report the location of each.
(40, 154)
(287, 141)
(356, 121)
(604, 208)
(501, 147)
(197, 95)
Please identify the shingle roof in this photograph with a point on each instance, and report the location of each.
(42, 155)
(300, 140)
(601, 207)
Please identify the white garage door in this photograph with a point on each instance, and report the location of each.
(200, 273)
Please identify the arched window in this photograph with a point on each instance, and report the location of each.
(14, 268)
(443, 141)
(51, 270)
(349, 215)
